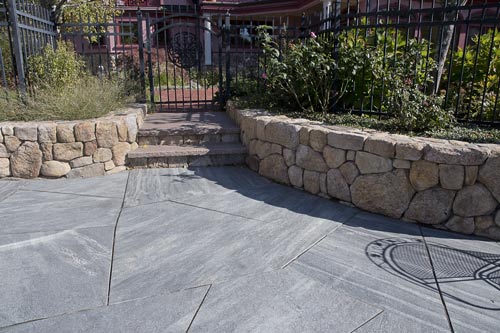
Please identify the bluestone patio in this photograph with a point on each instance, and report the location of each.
(223, 249)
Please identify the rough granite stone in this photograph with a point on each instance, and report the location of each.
(65, 133)
(410, 150)
(387, 194)
(7, 130)
(382, 145)
(121, 127)
(311, 181)
(318, 139)
(289, 156)
(274, 167)
(474, 200)
(93, 170)
(55, 169)
(464, 225)
(471, 173)
(489, 174)
(85, 131)
(47, 132)
(323, 183)
(347, 140)
(90, 148)
(132, 128)
(455, 154)
(260, 128)
(451, 177)
(337, 186)
(4, 167)
(253, 162)
(264, 149)
(27, 132)
(134, 146)
(46, 148)
(350, 172)
(296, 176)
(431, 206)
(81, 162)
(334, 157)
(483, 222)
(12, 143)
(109, 165)
(3, 151)
(350, 155)
(304, 134)
(309, 159)
(106, 133)
(370, 163)
(116, 170)
(283, 133)
(102, 155)
(120, 151)
(497, 218)
(401, 164)
(26, 161)
(67, 151)
(1, 136)
(424, 175)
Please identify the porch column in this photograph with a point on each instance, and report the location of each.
(207, 39)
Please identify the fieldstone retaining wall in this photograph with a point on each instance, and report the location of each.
(447, 184)
(69, 148)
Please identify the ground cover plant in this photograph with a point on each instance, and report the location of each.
(330, 78)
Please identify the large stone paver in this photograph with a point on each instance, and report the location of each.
(52, 273)
(222, 249)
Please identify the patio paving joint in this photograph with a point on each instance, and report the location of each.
(307, 249)
(67, 193)
(114, 239)
(11, 194)
(436, 280)
(366, 322)
(199, 307)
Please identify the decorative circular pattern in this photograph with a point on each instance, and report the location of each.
(184, 50)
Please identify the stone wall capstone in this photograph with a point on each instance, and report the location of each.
(69, 149)
(445, 184)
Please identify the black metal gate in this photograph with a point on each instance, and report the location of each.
(187, 60)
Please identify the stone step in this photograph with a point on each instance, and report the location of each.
(174, 156)
(188, 129)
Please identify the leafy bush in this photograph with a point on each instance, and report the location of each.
(480, 77)
(55, 69)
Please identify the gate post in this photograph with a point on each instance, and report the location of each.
(16, 45)
(142, 74)
(227, 28)
(150, 61)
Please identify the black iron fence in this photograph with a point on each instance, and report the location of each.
(445, 54)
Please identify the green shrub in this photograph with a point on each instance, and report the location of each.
(481, 75)
(55, 69)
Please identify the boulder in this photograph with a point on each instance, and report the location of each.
(102, 155)
(26, 161)
(120, 151)
(483, 222)
(296, 176)
(264, 149)
(311, 181)
(451, 177)
(85, 131)
(12, 143)
(387, 194)
(337, 186)
(65, 133)
(7, 130)
(289, 156)
(107, 135)
(47, 132)
(410, 150)
(347, 140)
(471, 173)
(424, 175)
(3, 151)
(318, 139)
(109, 165)
(90, 148)
(304, 134)
(446, 153)
(350, 171)
(401, 164)
(370, 163)
(283, 133)
(474, 200)
(26, 132)
(81, 162)
(380, 144)
(67, 151)
(274, 167)
(309, 159)
(334, 157)
(431, 206)
(463, 225)
(121, 127)
(55, 169)
(4, 167)
(489, 175)
(132, 128)
(46, 148)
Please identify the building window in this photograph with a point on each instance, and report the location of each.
(128, 32)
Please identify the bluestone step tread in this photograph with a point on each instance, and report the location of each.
(172, 151)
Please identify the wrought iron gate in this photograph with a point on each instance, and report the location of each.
(187, 60)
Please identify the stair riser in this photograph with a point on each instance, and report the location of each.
(186, 161)
(150, 140)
